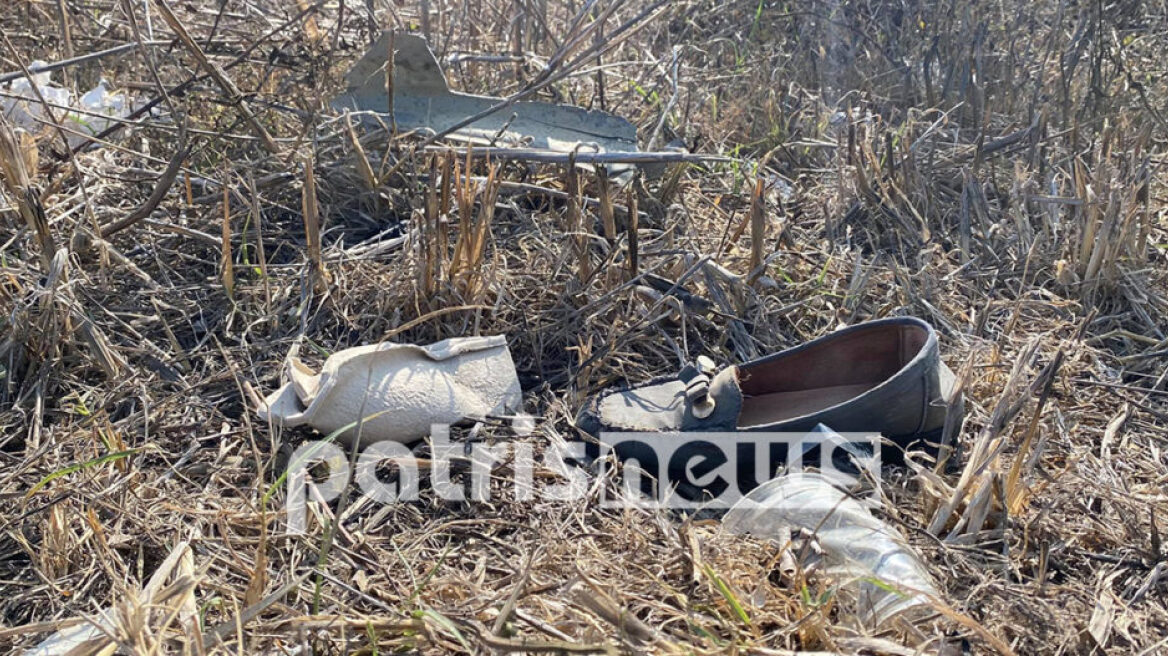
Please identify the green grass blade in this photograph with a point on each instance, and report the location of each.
(100, 460)
(727, 594)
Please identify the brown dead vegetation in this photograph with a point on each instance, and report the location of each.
(992, 166)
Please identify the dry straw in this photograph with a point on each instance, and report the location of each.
(992, 166)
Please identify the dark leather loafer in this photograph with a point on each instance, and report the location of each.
(883, 376)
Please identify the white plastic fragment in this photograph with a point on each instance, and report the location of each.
(862, 552)
(401, 390)
(92, 636)
(91, 114)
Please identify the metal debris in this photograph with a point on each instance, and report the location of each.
(422, 100)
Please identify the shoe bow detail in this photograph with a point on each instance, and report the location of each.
(696, 377)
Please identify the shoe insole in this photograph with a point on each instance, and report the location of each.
(780, 406)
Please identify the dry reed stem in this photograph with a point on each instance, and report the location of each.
(632, 226)
(218, 74)
(574, 224)
(14, 163)
(757, 228)
(604, 195)
(227, 261)
(312, 221)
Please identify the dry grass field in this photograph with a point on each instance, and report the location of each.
(994, 167)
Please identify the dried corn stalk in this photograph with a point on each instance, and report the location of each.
(15, 157)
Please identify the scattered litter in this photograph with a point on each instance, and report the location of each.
(400, 389)
(91, 114)
(422, 100)
(864, 553)
(91, 635)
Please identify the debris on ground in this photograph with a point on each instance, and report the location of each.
(422, 100)
(397, 391)
(81, 117)
(862, 552)
(994, 167)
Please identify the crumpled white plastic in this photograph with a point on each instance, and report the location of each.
(400, 389)
(865, 554)
(92, 113)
